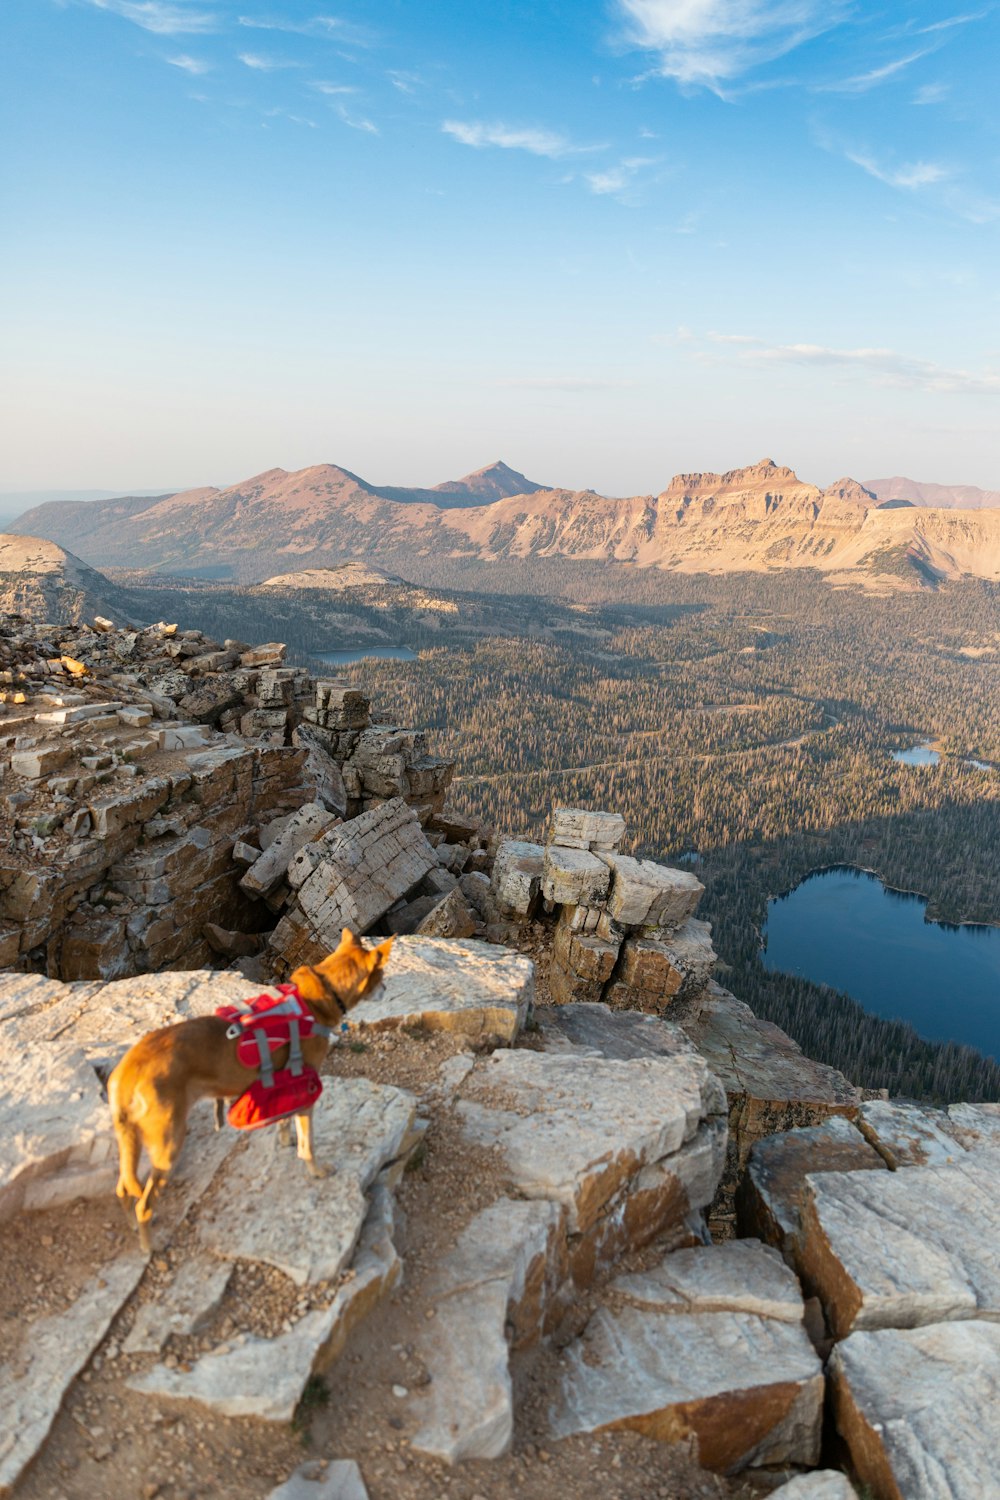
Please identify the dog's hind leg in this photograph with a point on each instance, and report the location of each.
(304, 1131)
(163, 1153)
(129, 1151)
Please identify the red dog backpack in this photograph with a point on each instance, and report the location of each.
(260, 1027)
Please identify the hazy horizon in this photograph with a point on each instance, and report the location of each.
(609, 241)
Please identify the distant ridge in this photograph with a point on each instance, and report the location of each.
(936, 496)
(759, 518)
(497, 481)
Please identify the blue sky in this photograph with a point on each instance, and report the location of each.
(605, 241)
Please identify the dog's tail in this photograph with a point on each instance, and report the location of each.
(129, 1143)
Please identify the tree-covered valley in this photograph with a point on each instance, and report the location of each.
(748, 720)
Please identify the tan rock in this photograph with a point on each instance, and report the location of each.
(301, 828)
(905, 1135)
(517, 875)
(578, 828)
(469, 987)
(738, 1276)
(491, 1286)
(451, 917)
(774, 1191)
(747, 1390)
(918, 1409)
(904, 1249)
(646, 894)
(573, 877)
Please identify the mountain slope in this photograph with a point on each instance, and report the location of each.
(759, 518)
(937, 496)
(43, 582)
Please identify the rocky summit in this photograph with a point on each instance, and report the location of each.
(590, 1227)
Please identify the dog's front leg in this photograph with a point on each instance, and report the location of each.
(284, 1132)
(304, 1131)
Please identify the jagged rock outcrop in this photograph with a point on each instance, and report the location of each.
(154, 780)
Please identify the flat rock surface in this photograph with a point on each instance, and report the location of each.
(737, 1276)
(824, 1484)
(338, 1480)
(267, 1207)
(905, 1135)
(499, 1264)
(748, 1389)
(52, 1353)
(602, 1032)
(575, 1129)
(903, 1249)
(919, 1409)
(774, 1190)
(477, 989)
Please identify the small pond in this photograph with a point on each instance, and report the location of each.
(363, 653)
(843, 928)
(917, 755)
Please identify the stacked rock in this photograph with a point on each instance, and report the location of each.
(625, 932)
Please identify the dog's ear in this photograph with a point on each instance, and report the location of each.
(377, 957)
(348, 940)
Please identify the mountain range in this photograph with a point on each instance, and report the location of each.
(936, 496)
(758, 518)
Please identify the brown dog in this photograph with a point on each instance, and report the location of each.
(157, 1081)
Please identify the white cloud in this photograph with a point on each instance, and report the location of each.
(860, 83)
(538, 142)
(712, 41)
(189, 64)
(886, 365)
(617, 182)
(262, 64)
(931, 93)
(160, 16)
(333, 28)
(918, 174)
(332, 88)
(951, 21)
(356, 122)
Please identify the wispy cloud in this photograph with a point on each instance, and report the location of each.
(887, 366)
(356, 122)
(950, 21)
(260, 63)
(860, 83)
(322, 87)
(161, 17)
(931, 93)
(333, 28)
(917, 174)
(619, 181)
(711, 42)
(537, 141)
(189, 64)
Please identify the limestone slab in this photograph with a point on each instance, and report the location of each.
(748, 1390)
(647, 894)
(774, 1189)
(822, 1484)
(494, 1278)
(517, 875)
(904, 1249)
(267, 1207)
(579, 828)
(919, 1409)
(338, 1479)
(975, 1126)
(192, 1296)
(53, 1352)
(300, 829)
(575, 1129)
(905, 1135)
(259, 1377)
(574, 877)
(737, 1276)
(470, 987)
